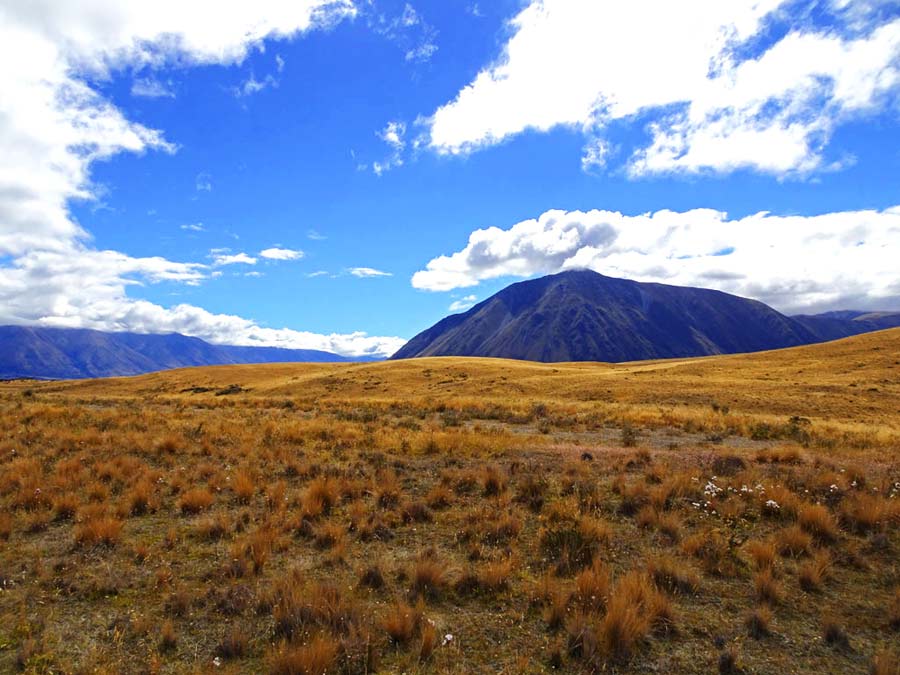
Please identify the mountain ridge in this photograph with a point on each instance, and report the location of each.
(40, 352)
(581, 315)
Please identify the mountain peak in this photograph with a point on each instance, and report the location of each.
(582, 315)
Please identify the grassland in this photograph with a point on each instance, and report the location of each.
(730, 514)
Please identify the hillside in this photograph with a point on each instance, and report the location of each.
(851, 383)
(585, 316)
(458, 515)
(68, 353)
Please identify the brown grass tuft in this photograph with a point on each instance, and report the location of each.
(793, 541)
(401, 622)
(195, 500)
(766, 588)
(672, 575)
(758, 623)
(818, 521)
(99, 531)
(317, 657)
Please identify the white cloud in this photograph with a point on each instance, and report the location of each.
(194, 227)
(277, 253)
(54, 124)
(148, 87)
(842, 260)
(203, 182)
(317, 273)
(252, 86)
(366, 272)
(409, 31)
(392, 134)
(220, 258)
(279, 63)
(463, 303)
(315, 235)
(587, 64)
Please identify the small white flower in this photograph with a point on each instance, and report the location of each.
(217, 662)
(772, 504)
(447, 638)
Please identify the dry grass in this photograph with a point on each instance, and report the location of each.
(310, 521)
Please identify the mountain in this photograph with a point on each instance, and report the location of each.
(581, 315)
(67, 353)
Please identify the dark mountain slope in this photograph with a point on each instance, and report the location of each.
(57, 353)
(585, 316)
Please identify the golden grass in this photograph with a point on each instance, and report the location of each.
(453, 515)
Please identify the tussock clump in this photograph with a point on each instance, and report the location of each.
(428, 576)
(833, 633)
(372, 577)
(196, 500)
(316, 657)
(234, 645)
(762, 553)
(571, 546)
(812, 574)
(493, 482)
(673, 576)
(759, 622)
(401, 622)
(98, 531)
(592, 587)
(244, 487)
(793, 541)
(864, 512)
(714, 553)
(818, 521)
(531, 492)
(766, 588)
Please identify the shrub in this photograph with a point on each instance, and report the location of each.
(195, 500)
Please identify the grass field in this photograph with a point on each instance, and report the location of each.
(725, 514)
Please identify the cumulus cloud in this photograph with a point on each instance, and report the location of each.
(277, 253)
(842, 260)
(220, 258)
(54, 124)
(463, 303)
(716, 99)
(366, 272)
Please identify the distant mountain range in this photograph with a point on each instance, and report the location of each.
(69, 353)
(584, 316)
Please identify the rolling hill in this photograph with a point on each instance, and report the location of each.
(581, 315)
(68, 353)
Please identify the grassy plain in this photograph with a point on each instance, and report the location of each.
(726, 514)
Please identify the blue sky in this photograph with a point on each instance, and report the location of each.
(341, 175)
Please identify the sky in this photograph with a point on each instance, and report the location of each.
(341, 174)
